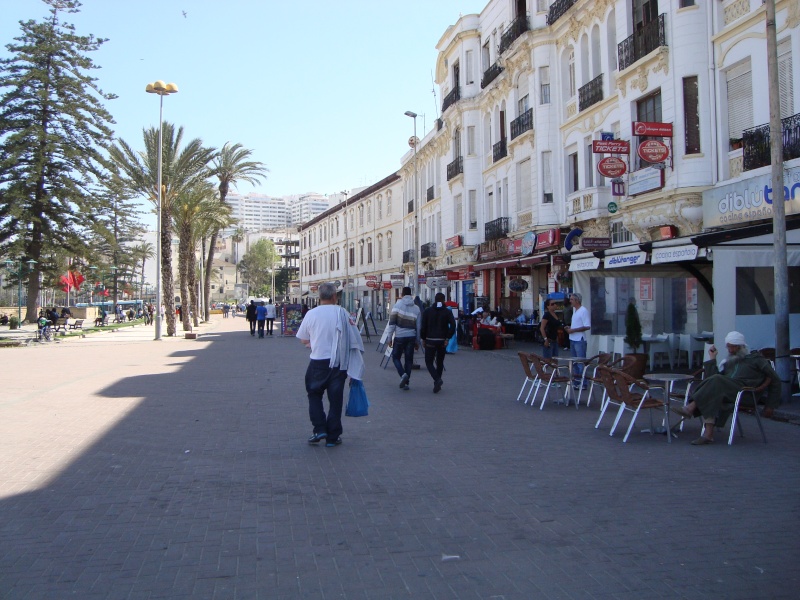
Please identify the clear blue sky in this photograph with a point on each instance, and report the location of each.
(317, 89)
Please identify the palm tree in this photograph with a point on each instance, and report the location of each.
(231, 165)
(141, 252)
(182, 168)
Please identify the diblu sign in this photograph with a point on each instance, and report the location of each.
(625, 260)
(749, 200)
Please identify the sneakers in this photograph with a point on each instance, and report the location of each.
(437, 385)
(404, 381)
(317, 437)
(332, 443)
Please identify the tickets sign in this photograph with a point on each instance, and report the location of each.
(651, 128)
(652, 151)
(611, 147)
(611, 166)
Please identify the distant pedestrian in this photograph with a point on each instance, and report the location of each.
(581, 323)
(404, 323)
(261, 318)
(250, 315)
(549, 327)
(270, 315)
(438, 326)
(336, 352)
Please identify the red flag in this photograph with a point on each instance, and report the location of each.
(67, 281)
(104, 293)
(77, 280)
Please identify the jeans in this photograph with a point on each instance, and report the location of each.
(319, 378)
(252, 327)
(550, 351)
(261, 328)
(435, 350)
(269, 325)
(400, 347)
(578, 349)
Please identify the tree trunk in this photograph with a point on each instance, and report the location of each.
(193, 287)
(209, 267)
(184, 247)
(168, 291)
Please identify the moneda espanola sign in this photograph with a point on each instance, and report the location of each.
(653, 151)
(611, 166)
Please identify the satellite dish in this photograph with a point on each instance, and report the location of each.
(570, 239)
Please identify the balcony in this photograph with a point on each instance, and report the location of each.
(490, 74)
(429, 194)
(410, 207)
(643, 42)
(517, 28)
(499, 150)
(522, 123)
(591, 93)
(497, 229)
(455, 168)
(408, 256)
(451, 98)
(756, 143)
(557, 10)
(428, 250)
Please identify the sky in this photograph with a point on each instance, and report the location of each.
(316, 89)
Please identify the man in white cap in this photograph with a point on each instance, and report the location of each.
(714, 397)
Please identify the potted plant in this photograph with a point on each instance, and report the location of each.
(736, 143)
(633, 337)
(13, 322)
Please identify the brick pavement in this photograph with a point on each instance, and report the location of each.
(137, 469)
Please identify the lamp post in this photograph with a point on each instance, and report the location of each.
(91, 287)
(162, 89)
(414, 142)
(19, 273)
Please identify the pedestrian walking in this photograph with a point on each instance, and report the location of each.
(261, 318)
(270, 315)
(336, 352)
(581, 323)
(404, 323)
(438, 326)
(250, 315)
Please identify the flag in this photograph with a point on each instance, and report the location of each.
(77, 280)
(67, 281)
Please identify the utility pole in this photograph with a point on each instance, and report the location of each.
(781, 283)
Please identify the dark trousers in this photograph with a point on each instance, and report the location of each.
(260, 328)
(403, 347)
(435, 350)
(252, 327)
(319, 378)
(270, 325)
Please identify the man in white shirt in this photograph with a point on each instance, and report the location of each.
(581, 323)
(270, 315)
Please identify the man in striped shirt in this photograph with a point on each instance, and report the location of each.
(404, 323)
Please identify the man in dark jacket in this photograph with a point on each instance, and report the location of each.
(438, 326)
(250, 315)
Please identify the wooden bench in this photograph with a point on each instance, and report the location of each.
(78, 324)
(102, 323)
(59, 325)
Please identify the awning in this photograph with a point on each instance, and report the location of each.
(484, 266)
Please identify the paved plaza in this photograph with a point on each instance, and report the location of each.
(179, 469)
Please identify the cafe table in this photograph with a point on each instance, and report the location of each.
(667, 380)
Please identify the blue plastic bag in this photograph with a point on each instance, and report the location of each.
(357, 403)
(452, 345)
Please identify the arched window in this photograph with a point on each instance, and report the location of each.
(352, 219)
(369, 251)
(361, 252)
(369, 212)
(360, 215)
(337, 259)
(388, 204)
(389, 246)
(337, 225)
(380, 248)
(380, 207)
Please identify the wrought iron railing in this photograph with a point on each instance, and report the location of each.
(497, 229)
(522, 123)
(499, 150)
(429, 194)
(408, 256)
(756, 149)
(455, 168)
(517, 28)
(451, 98)
(428, 250)
(643, 42)
(410, 207)
(490, 74)
(591, 93)
(557, 10)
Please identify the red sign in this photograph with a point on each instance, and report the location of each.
(387, 285)
(548, 239)
(653, 151)
(452, 242)
(372, 284)
(511, 271)
(611, 166)
(647, 128)
(611, 147)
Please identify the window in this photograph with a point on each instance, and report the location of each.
(380, 248)
(544, 85)
(489, 205)
(691, 115)
(486, 60)
(647, 109)
(369, 212)
(389, 205)
(785, 78)
(360, 215)
(473, 209)
(468, 66)
(369, 251)
(740, 100)
(337, 259)
(380, 207)
(332, 262)
(541, 6)
(456, 143)
(361, 252)
(572, 173)
(523, 184)
(619, 234)
(685, 3)
(458, 218)
(547, 177)
(352, 219)
(352, 256)
(588, 171)
(389, 246)
(522, 105)
(571, 74)
(471, 140)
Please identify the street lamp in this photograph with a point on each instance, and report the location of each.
(91, 287)
(19, 273)
(414, 142)
(162, 89)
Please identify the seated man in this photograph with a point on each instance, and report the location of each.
(714, 397)
(100, 317)
(4, 319)
(521, 318)
(66, 313)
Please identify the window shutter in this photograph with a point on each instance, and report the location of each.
(524, 185)
(740, 100)
(547, 177)
(691, 115)
(785, 79)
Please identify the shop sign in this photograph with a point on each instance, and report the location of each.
(517, 271)
(518, 285)
(372, 284)
(611, 147)
(557, 259)
(595, 243)
(750, 200)
(337, 283)
(584, 264)
(673, 254)
(548, 239)
(632, 259)
(396, 276)
(528, 243)
(452, 242)
(652, 151)
(612, 207)
(644, 180)
(422, 279)
(437, 273)
(651, 128)
(371, 277)
(611, 166)
(313, 288)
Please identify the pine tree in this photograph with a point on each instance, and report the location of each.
(54, 130)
